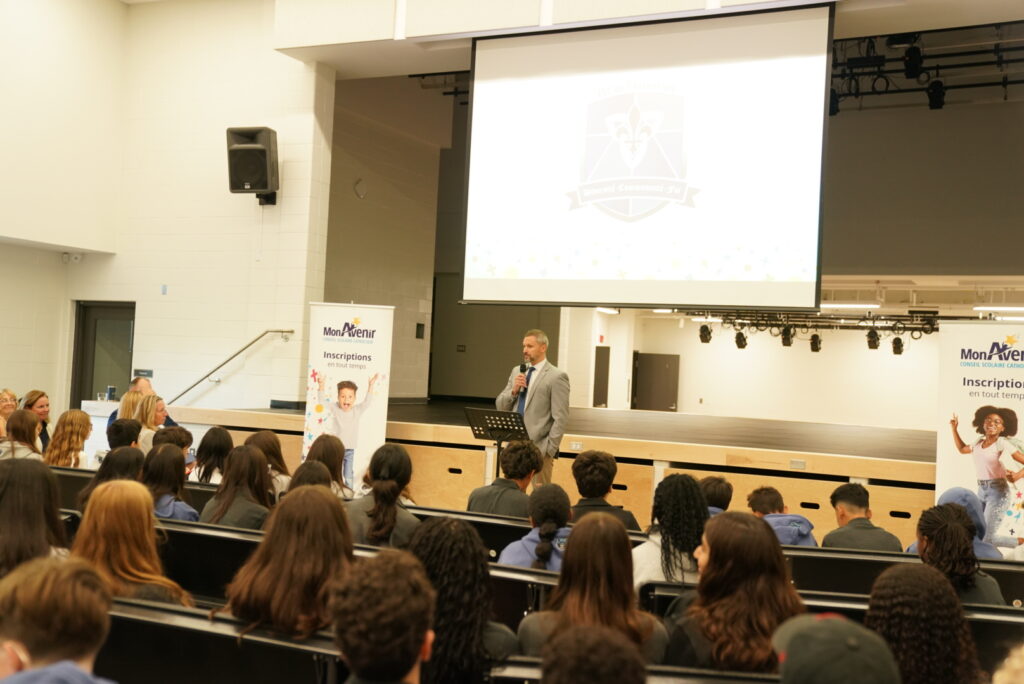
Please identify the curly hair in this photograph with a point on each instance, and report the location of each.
(917, 612)
(679, 514)
(73, 428)
(948, 535)
(382, 612)
(519, 459)
(1008, 416)
(455, 559)
(744, 593)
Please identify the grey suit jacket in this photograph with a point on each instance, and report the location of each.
(547, 406)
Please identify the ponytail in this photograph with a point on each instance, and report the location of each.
(548, 529)
(384, 513)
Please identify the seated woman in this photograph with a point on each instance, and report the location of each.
(30, 523)
(151, 413)
(268, 442)
(244, 496)
(118, 536)
(329, 450)
(465, 641)
(8, 405)
(679, 514)
(914, 608)
(69, 436)
(210, 456)
(285, 585)
(38, 403)
(945, 541)
(310, 473)
(22, 440)
(595, 588)
(380, 518)
(163, 473)
(744, 593)
(542, 547)
(122, 463)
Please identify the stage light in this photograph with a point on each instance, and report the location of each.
(705, 333)
(833, 102)
(913, 62)
(787, 336)
(815, 343)
(897, 345)
(741, 341)
(936, 95)
(872, 339)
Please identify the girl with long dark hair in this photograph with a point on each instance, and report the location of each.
(744, 593)
(678, 517)
(329, 450)
(914, 608)
(122, 463)
(30, 524)
(211, 455)
(542, 547)
(163, 473)
(945, 541)
(455, 559)
(22, 436)
(269, 443)
(595, 587)
(379, 518)
(245, 495)
(285, 584)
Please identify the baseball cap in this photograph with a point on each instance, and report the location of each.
(829, 649)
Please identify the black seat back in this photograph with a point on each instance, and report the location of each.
(71, 481)
(521, 669)
(158, 644)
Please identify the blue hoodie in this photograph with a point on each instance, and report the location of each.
(521, 552)
(791, 529)
(970, 501)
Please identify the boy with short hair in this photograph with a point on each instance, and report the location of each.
(344, 419)
(594, 472)
(790, 528)
(520, 461)
(53, 622)
(718, 492)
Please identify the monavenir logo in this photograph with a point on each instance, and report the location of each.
(1004, 351)
(350, 330)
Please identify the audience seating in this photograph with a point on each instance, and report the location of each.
(996, 629)
(522, 669)
(71, 520)
(71, 481)
(158, 643)
(853, 572)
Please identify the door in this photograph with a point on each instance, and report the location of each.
(103, 349)
(655, 381)
(602, 360)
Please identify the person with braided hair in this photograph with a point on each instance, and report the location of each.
(915, 609)
(542, 547)
(945, 541)
(679, 513)
(380, 518)
(466, 641)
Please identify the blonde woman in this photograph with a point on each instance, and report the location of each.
(68, 441)
(151, 413)
(130, 404)
(8, 404)
(118, 536)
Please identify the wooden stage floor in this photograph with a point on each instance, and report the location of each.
(824, 438)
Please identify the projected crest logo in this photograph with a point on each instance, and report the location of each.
(634, 162)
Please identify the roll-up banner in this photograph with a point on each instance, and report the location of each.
(347, 380)
(980, 444)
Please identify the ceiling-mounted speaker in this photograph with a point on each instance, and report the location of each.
(252, 162)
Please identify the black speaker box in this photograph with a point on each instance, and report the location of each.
(252, 160)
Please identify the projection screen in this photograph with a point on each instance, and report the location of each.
(671, 164)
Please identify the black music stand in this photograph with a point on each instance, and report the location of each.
(496, 426)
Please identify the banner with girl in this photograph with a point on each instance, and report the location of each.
(979, 445)
(347, 380)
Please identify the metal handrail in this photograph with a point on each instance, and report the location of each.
(284, 334)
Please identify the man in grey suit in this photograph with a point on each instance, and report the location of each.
(541, 395)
